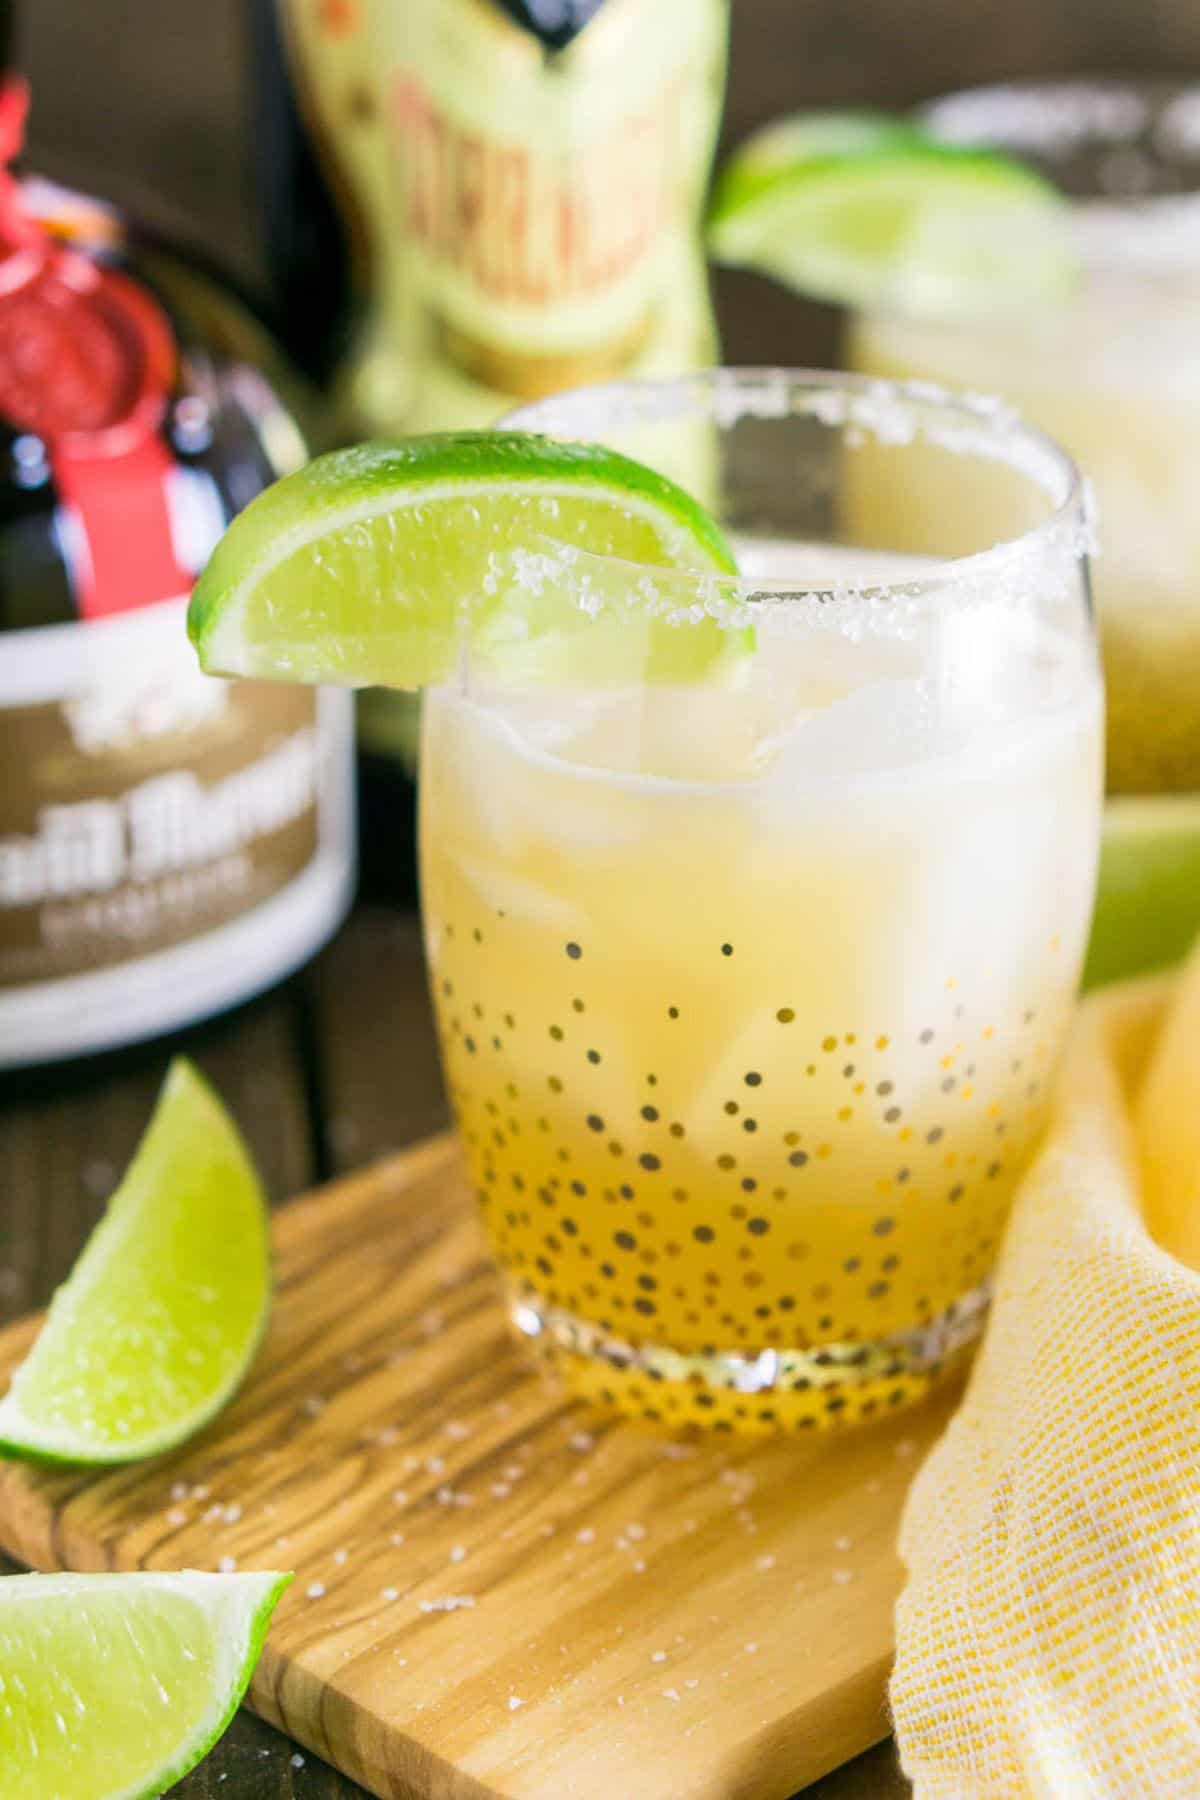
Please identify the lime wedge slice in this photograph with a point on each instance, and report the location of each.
(375, 564)
(163, 1312)
(866, 210)
(1148, 900)
(121, 1683)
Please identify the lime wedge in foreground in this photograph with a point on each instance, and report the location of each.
(119, 1684)
(1148, 902)
(373, 564)
(164, 1310)
(867, 210)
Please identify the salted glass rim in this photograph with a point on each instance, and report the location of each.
(1140, 210)
(1050, 116)
(971, 422)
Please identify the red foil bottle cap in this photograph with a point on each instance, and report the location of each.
(86, 364)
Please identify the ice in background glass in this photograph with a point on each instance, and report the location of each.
(1113, 373)
(750, 990)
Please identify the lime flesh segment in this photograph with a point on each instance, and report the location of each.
(164, 1310)
(1148, 903)
(113, 1686)
(378, 564)
(864, 210)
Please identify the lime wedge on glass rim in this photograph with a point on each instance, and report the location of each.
(163, 1312)
(377, 564)
(119, 1684)
(867, 210)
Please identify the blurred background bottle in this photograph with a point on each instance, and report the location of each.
(519, 184)
(169, 844)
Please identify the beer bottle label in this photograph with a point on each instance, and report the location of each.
(530, 174)
(548, 204)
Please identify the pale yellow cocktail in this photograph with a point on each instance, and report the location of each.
(751, 991)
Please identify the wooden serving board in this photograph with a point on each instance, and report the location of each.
(498, 1592)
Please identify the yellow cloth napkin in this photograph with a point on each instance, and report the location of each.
(1048, 1637)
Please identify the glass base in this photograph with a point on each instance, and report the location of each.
(778, 1390)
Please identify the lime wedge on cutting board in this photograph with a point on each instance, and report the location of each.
(867, 210)
(379, 564)
(113, 1686)
(164, 1309)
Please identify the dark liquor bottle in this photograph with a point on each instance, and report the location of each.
(314, 249)
(169, 844)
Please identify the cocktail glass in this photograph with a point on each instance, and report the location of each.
(751, 985)
(1113, 372)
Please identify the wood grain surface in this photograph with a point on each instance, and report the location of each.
(499, 1593)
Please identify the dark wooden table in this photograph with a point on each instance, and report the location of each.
(331, 1070)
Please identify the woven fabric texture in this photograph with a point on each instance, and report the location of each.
(1048, 1636)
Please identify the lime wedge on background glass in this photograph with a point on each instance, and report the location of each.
(161, 1315)
(370, 565)
(117, 1685)
(1148, 900)
(867, 210)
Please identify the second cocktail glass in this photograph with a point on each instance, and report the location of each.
(1112, 370)
(751, 985)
